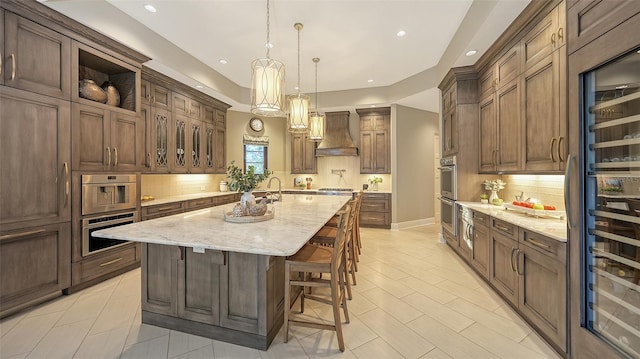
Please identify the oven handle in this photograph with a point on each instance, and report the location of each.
(127, 220)
(448, 169)
(446, 200)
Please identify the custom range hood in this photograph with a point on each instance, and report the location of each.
(337, 140)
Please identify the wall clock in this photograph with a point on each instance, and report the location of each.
(256, 124)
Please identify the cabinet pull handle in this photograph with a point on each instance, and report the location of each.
(567, 201)
(502, 228)
(0, 63)
(154, 99)
(553, 140)
(539, 244)
(513, 267)
(149, 159)
(560, 34)
(110, 262)
(13, 67)
(164, 209)
(108, 156)
(66, 184)
(181, 253)
(518, 262)
(21, 234)
(560, 140)
(115, 157)
(553, 38)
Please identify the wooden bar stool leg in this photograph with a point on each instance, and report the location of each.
(335, 298)
(287, 300)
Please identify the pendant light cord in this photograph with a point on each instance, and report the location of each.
(268, 44)
(298, 28)
(315, 60)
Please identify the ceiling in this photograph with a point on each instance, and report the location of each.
(355, 40)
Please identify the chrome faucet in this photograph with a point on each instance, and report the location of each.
(279, 187)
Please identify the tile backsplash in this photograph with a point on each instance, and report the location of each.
(548, 189)
(166, 185)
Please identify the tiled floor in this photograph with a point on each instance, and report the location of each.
(414, 299)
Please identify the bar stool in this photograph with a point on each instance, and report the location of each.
(326, 235)
(319, 259)
(333, 222)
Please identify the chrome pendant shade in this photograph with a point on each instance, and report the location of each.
(267, 84)
(316, 119)
(298, 104)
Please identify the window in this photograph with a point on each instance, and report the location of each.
(256, 156)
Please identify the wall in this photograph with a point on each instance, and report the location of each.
(413, 158)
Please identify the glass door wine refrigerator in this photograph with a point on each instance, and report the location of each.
(610, 109)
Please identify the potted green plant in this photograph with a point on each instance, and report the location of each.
(373, 181)
(245, 182)
(484, 198)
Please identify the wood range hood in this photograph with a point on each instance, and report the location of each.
(337, 140)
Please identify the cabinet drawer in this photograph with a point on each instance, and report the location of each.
(375, 205)
(103, 264)
(450, 238)
(374, 218)
(200, 203)
(166, 209)
(505, 228)
(480, 218)
(230, 198)
(543, 244)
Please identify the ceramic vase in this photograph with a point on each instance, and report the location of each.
(247, 199)
(494, 195)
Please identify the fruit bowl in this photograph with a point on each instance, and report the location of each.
(540, 213)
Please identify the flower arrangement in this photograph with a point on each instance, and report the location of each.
(240, 181)
(375, 180)
(494, 185)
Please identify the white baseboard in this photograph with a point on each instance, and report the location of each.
(410, 224)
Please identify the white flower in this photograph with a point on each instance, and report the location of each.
(494, 185)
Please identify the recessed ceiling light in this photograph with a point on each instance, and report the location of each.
(370, 81)
(401, 33)
(471, 52)
(372, 105)
(621, 87)
(296, 88)
(222, 61)
(638, 51)
(150, 8)
(198, 86)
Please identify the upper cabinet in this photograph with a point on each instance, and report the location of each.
(185, 129)
(303, 154)
(522, 108)
(375, 140)
(35, 58)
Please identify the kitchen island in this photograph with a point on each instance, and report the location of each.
(221, 280)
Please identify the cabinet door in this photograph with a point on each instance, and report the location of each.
(509, 135)
(180, 104)
(196, 143)
(36, 58)
(159, 142)
(220, 149)
(199, 286)
(195, 109)
(160, 97)
(91, 147)
(160, 278)
(450, 133)
(543, 293)
(35, 159)
(542, 40)
(34, 262)
(243, 282)
(367, 146)
(179, 152)
(480, 250)
(502, 273)
(127, 142)
(541, 107)
(303, 158)
(382, 152)
(488, 133)
(507, 68)
(209, 147)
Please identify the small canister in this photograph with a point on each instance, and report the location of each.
(223, 186)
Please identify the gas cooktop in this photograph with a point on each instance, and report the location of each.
(335, 189)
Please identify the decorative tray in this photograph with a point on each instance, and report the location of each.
(541, 213)
(228, 217)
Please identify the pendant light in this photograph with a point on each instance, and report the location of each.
(316, 120)
(267, 84)
(299, 103)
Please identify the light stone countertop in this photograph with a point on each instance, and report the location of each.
(550, 227)
(297, 218)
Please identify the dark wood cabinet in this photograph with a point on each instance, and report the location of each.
(35, 264)
(35, 58)
(106, 140)
(375, 210)
(35, 160)
(479, 257)
(488, 126)
(159, 266)
(303, 154)
(504, 246)
(375, 140)
(186, 106)
(541, 268)
(155, 95)
(158, 142)
(450, 132)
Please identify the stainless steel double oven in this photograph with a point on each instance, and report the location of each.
(448, 193)
(107, 201)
